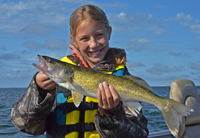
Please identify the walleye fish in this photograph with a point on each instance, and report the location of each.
(85, 81)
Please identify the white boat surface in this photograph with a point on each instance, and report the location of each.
(184, 91)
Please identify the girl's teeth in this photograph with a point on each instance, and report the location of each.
(95, 53)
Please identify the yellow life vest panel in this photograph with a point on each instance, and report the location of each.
(73, 117)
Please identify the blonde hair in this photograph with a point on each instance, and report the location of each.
(87, 12)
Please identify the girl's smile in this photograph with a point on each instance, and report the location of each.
(92, 39)
(95, 53)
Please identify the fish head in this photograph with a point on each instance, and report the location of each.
(50, 65)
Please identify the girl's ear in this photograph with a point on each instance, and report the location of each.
(110, 31)
(73, 40)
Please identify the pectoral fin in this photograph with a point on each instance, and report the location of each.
(67, 85)
(69, 78)
(134, 107)
(77, 98)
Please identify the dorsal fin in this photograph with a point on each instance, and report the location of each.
(139, 81)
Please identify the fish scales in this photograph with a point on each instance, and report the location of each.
(125, 87)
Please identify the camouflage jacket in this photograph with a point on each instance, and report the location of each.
(30, 113)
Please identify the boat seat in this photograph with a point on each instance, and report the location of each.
(185, 91)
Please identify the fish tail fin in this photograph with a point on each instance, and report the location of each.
(171, 113)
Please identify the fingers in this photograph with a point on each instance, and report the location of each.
(102, 96)
(48, 85)
(115, 95)
(44, 82)
(107, 96)
(43, 76)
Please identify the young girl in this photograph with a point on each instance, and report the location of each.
(48, 107)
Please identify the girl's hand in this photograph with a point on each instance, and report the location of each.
(107, 96)
(44, 82)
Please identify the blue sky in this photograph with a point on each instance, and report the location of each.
(161, 38)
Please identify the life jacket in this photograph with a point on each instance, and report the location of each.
(69, 121)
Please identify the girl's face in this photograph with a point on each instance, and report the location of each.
(92, 40)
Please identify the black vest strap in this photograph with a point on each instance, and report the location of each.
(65, 91)
(68, 107)
(79, 127)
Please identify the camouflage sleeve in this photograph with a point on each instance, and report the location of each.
(30, 112)
(120, 122)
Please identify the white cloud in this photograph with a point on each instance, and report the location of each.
(37, 29)
(124, 27)
(16, 15)
(195, 28)
(159, 69)
(156, 30)
(198, 38)
(133, 18)
(134, 64)
(10, 28)
(55, 44)
(195, 73)
(141, 40)
(195, 65)
(163, 48)
(2, 48)
(122, 14)
(183, 19)
(130, 22)
(13, 76)
(150, 16)
(11, 56)
(54, 18)
(32, 45)
(197, 21)
(179, 54)
(19, 69)
(182, 16)
(135, 47)
(184, 23)
(138, 44)
(12, 8)
(49, 44)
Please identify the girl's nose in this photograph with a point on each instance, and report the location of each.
(93, 43)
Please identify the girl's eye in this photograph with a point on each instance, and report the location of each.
(83, 39)
(99, 34)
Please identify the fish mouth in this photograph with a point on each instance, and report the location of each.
(42, 66)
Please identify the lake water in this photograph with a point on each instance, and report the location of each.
(8, 96)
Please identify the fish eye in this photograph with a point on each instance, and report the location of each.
(50, 61)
